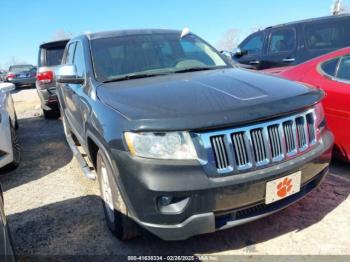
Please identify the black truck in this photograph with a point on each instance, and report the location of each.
(294, 43)
(181, 142)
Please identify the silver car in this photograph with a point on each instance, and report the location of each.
(10, 153)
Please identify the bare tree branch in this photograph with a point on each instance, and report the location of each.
(338, 7)
(229, 40)
(14, 61)
(61, 34)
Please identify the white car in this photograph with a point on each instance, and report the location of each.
(10, 153)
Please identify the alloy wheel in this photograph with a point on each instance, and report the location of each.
(107, 193)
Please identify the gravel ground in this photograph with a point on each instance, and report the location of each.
(53, 210)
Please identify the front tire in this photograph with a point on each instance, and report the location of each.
(16, 122)
(119, 224)
(16, 150)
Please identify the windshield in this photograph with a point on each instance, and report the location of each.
(21, 68)
(116, 57)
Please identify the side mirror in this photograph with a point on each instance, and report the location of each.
(227, 53)
(7, 87)
(67, 74)
(237, 52)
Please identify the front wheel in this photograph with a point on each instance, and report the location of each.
(120, 225)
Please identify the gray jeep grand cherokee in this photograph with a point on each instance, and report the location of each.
(181, 142)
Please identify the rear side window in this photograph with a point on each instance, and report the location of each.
(282, 40)
(344, 68)
(327, 35)
(330, 67)
(253, 45)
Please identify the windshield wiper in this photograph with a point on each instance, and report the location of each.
(135, 76)
(194, 69)
(131, 76)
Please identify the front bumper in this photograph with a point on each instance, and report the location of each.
(204, 204)
(6, 154)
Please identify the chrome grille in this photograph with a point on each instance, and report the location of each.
(220, 152)
(259, 148)
(240, 149)
(290, 136)
(311, 127)
(275, 142)
(302, 132)
(259, 145)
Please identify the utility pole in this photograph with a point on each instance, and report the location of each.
(336, 8)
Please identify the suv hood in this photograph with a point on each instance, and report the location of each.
(206, 99)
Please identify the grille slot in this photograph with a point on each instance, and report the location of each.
(289, 136)
(311, 127)
(259, 148)
(275, 141)
(300, 123)
(259, 145)
(240, 149)
(220, 153)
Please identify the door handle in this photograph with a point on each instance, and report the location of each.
(254, 62)
(288, 60)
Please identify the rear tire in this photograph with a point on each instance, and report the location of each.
(119, 224)
(50, 114)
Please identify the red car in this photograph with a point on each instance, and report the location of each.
(330, 72)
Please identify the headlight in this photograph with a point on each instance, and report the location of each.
(320, 116)
(170, 145)
(320, 119)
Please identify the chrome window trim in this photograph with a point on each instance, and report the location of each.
(333, 77)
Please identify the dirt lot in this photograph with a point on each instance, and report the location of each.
(53, 209)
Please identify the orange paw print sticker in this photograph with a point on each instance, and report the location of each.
(284, 187)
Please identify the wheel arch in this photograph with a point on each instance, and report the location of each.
(94, 145)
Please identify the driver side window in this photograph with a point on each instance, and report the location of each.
(282, 40)
(253, 45)
(70, 54)
(79, 60)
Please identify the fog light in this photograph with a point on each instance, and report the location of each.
(165, 200)
(172, 205)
